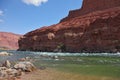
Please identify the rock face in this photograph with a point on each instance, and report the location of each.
(90, 6)
(93, 28)
(9, 40)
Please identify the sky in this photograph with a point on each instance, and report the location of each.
(22, 16)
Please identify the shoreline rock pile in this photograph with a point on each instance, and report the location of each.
(8, 72)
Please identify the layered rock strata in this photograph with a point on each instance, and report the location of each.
(9, 40)
(93, 28)
(90, 6)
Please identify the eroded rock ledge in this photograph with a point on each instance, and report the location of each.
(97, 30)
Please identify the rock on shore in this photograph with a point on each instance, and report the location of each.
(5, 54)
(14, 73)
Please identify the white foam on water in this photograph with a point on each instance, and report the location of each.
(76, 54)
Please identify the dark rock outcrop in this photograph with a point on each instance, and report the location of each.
(93, 28)
(9, 40)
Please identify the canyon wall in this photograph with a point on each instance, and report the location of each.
(90, 6)
(93, 28)
(9, 41)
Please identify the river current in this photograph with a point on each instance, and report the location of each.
(21, 54)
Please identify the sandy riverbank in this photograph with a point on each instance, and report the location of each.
(51, 74)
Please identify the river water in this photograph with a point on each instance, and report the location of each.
(105, 64)
(21, 54)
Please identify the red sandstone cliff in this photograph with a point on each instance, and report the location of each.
(93, 28)
(90, 6)
(9, 40)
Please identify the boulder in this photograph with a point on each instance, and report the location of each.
(5, 54)
(14, 72)
(3, 68)
(3, 74)
(55, 57)
(6, 73)
(25, 66)
(22, 59)
(6, 64)
(25, 59)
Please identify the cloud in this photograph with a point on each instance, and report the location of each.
(34, 2)
(1, 12)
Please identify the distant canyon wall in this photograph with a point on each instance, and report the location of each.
(9, 41)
